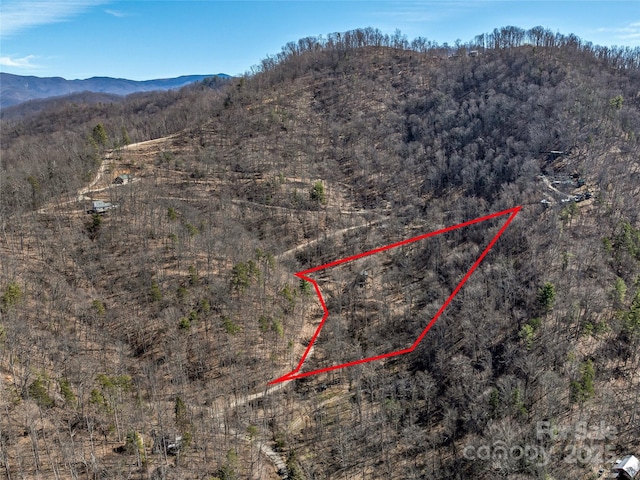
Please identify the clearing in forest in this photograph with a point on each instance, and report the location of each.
(382, 297)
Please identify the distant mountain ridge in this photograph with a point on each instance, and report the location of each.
(15, 89)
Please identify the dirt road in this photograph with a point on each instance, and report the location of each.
(103, 181)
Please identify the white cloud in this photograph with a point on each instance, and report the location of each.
(427, 11)
(629, 34)
(631, 29)
(117, 13)
(24, 62)
(19, 15)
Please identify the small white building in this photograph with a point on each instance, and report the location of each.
(101, 207)
(627, 468)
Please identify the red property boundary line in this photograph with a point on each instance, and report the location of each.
(512, 212)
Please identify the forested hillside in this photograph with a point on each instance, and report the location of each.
(168, 315)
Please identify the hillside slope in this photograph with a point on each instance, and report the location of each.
(169, 314)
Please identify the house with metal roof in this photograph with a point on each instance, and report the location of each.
(101, 207)
(627, 468)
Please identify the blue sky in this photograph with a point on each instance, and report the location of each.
(145, 39)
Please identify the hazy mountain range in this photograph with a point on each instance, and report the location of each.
(15, 89)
